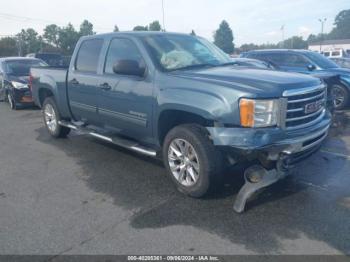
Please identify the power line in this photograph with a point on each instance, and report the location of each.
(41, 21)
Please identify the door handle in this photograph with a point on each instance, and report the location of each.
(105, 86)
(74, 82)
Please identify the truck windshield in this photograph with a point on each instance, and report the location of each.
(320, 60)
(176, 52)
(21, 67)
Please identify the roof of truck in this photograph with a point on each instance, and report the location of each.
(136, 33)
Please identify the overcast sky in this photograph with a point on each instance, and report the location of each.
(257, 21)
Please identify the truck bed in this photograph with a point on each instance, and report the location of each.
(54, 79)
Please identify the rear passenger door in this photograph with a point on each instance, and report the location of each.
(125, 106)
(83, 82)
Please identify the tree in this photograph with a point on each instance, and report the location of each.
(223, 38)
(68, 38)
(295, 42)
(86, 28)
(193, 33)
(116, 28)
(140, 28)
(155, 26)
(51, 34)
(342, 26)
(29, 41)
(8, 46)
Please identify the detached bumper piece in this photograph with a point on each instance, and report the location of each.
(256, 178)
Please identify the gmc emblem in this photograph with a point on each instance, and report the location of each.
(313, 107)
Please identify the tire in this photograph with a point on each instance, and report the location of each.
(11, 101)
(51, 118)
(340, 96)
(202, 158)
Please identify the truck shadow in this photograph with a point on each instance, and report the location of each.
(306, 205)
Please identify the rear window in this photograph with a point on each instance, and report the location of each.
(88, 56)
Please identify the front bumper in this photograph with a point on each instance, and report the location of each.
(22, 96)
(273, 141)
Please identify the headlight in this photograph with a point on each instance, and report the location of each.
(258, 113)
(19, 85)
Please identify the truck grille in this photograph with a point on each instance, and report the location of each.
(305, 107)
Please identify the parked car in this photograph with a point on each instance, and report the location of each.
(342, 62)
(308, 62)
(52, 59)
(14, 80)
(330, 79)
(179, 96)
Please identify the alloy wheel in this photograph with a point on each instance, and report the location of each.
(184, 163)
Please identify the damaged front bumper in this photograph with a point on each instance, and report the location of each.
(282, 147)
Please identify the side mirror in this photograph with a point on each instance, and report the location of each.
(128, 67)
(311, 67)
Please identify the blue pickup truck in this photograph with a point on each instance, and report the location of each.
(180, 97)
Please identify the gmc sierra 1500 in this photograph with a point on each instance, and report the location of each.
(179, 96)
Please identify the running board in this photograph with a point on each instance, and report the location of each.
(119, 141)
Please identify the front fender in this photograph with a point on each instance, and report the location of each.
(205, 104)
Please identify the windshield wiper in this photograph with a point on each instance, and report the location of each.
(195, 66)
(228, 64)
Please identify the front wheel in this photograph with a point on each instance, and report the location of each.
(340, 96)
(51, 119)
(192, 161)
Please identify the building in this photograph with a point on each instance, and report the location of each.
(330, 45)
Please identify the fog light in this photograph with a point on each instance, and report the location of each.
(254, 174)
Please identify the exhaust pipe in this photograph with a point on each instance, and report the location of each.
(256, 177)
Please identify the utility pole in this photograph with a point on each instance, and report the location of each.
(282, 29)
(163, 10)
(322, 21)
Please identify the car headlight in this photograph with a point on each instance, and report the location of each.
(19, 85)
(259, 113)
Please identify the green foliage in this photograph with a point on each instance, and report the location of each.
(155, 26)
(116, 28)
(295, 42)
(342, 26)
(223, 38)
(86, 28)
(51, 34)
(140, 28)
(29, 41)
(68, 38)
(8, 46)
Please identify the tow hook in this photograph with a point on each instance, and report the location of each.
(257, 177)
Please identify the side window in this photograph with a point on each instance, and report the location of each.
(296, 61)
(122, 49)
(88, 56)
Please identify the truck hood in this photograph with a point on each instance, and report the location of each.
(255, 81)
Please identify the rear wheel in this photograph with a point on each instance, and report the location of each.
(11, 101)
(192, 161)
(51, 119)
(340, 96)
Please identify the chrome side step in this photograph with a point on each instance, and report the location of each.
(119, 141)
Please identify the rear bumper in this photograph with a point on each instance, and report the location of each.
(274, 141)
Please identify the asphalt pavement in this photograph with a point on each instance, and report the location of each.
(83, 196)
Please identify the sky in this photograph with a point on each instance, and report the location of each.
(252, 21)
